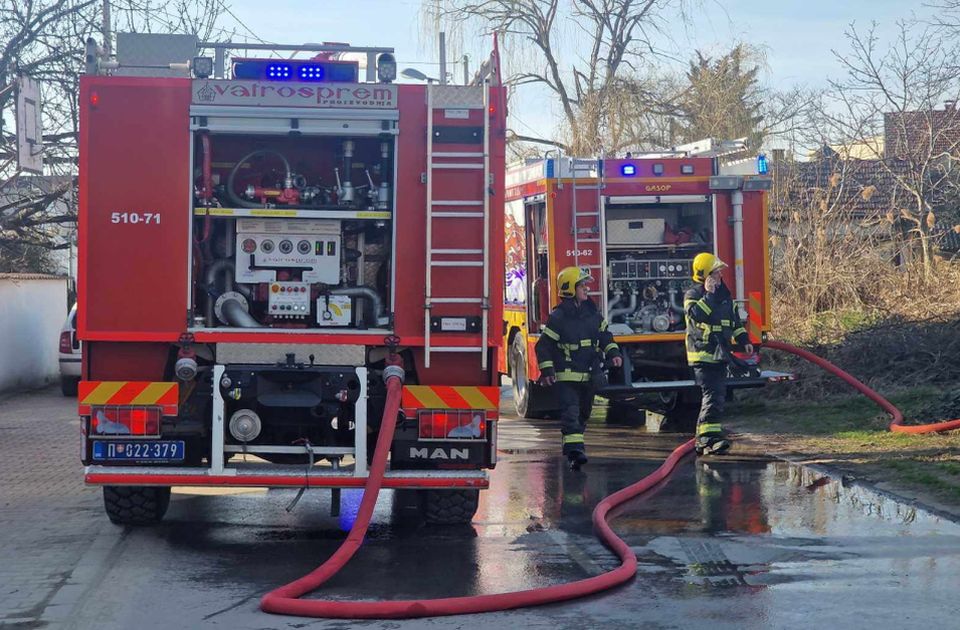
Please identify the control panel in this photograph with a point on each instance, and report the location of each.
(650, 269)
(289, 300)
(265, 246)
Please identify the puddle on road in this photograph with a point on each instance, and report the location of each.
(712, 526)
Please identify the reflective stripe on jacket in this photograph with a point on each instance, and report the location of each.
(710, 317)
(570, 342)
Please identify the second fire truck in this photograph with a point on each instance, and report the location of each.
(636, 225)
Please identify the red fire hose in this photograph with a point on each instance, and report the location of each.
(284, 600)
(896, 424)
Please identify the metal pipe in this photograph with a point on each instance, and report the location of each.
(292, 47)
(443, 58)
(675, 306)
(207, 171)
(376, 303)
(623, 311)
(617, 296)
(737, 199)
(345, 194)
(107, 45)
(218, 266)
(429, 266)
(234, 312)
(485, 303)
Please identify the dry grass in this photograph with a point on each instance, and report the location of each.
(889, 327)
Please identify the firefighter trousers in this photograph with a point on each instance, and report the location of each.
(712, 379)
(576, 403)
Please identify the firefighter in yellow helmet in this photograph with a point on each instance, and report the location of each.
(713, 325)
(568, 354)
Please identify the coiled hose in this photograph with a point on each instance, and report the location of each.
(232, 194)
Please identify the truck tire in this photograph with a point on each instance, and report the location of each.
(625, 412)
(529, 399)
(450, 507)
(136, 505)
(685, 411)
(68, 385)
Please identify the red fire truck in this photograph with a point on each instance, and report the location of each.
(255, 238)
(636, 224)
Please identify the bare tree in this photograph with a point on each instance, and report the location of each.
(45, 39)
(898, 93)
(607, 38)
(826, 228)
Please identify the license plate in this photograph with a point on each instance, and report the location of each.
(145, 451)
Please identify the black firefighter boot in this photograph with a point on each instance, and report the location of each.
(577, 459)
(712, 444)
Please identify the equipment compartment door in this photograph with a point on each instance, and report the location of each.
(135, 193)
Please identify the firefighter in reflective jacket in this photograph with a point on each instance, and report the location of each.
(713, 324)
(568, 354)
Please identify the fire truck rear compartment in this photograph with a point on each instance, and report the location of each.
(286, 406)
(650, 248)
(292, 232)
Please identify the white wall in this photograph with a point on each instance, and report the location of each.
(32, 310)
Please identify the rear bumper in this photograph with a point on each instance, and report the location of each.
(69, 366)
(260, 476)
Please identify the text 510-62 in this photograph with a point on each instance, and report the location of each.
(134, 218)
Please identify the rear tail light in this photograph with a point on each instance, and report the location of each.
(453, 424)
(125, 421)
(66, 345)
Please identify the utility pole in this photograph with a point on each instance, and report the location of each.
(466, 70)
(107, 48)
(443, 58)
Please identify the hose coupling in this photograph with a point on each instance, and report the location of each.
(393, 371)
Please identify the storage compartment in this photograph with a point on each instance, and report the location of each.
(635, 231)
(649, 257)
(292, 232)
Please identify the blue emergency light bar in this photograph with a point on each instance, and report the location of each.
(306, 70)
(628, 170)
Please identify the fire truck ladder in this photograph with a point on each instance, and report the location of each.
(441, 98)
(588, 238)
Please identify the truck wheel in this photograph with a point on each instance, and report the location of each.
(68, 385)
(136, 505)
(450, 507)
(530, 400)
(625, 412)
(683, 415)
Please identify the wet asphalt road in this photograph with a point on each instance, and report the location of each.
(723, 544)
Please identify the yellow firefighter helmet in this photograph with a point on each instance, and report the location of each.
(569, 278)
(705, 264)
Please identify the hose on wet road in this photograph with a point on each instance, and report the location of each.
(286, 599)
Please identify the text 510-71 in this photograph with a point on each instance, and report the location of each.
(134, 218)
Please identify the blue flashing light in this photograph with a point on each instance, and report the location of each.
(628, 170)
(311, 73)
(279, 71)
(762, 166)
